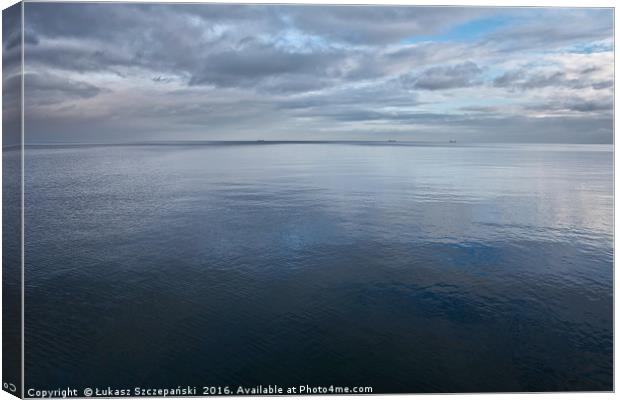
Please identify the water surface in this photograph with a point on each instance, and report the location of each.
(408, 268)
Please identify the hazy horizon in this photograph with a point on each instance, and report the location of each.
(149, 72)
(298, 141)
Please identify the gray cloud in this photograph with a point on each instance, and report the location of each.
(480, 109)
(115, 70)
(379, 25)
(590, 105)
(45, 89)
(575, 104)
(11, 76)
(526, 79)
(254, 62)
(449, 77)
(15, 39)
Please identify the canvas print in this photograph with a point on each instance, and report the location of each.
(226, 199)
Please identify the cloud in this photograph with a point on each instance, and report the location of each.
(253, 62)
(575, 104)
(589, 105)
(547, 28)
(113, 71)
(449, 77)
(14, 40)
(379, 25)
(480, 109)
(46, 89)
(531, 78)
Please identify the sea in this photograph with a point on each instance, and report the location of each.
(396, 266)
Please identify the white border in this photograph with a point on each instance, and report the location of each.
(479, 3)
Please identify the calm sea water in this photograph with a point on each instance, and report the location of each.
(404, 267)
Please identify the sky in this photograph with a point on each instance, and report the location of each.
(132, 72)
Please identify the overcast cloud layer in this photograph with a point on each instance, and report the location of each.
(126, 72)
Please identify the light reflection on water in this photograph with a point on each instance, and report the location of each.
(403, 267)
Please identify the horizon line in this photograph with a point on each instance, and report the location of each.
(290, 141)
